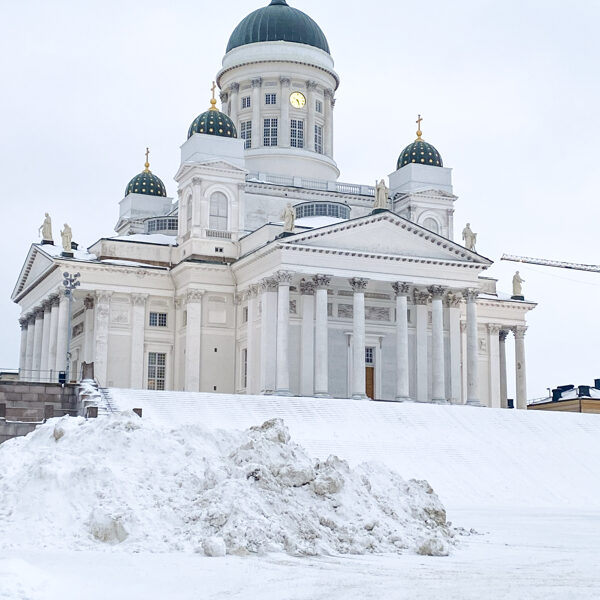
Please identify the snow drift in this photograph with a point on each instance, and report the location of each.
(132, 483)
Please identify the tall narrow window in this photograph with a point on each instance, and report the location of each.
(270, 98)
(246, 102)
(319, 139)
(246, 133)
(297, 134)
(157, 367)
(270, 132)
(318, 106)
(188, 215)
(218, 212)
(244, 368)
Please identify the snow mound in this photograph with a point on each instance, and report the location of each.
(130, 483)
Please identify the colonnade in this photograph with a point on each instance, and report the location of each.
(274, 376)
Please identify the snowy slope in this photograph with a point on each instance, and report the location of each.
(473, 457)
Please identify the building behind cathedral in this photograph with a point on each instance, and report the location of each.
(265, 274)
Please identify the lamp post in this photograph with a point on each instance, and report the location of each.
(71, 283)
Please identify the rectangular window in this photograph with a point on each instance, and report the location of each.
(158, 319)
(318, 106)
(297, 134)
(270, 98)
(319, 139)
(245, 314)
(270, 132)
(244, 368)
(246, 133)
(157, 366)
(370, 356)
(246, 102)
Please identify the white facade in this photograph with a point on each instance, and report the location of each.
(209, 293)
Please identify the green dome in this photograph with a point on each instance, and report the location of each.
(146, 183)
(420, 152)
(213, 122)
(278, 22)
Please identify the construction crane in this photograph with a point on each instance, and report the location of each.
(552, 263)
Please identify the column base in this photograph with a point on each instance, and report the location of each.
(360, 397)
(473, 403)
(320, 395)
(402, 399)
(440, 401)
(283, 393)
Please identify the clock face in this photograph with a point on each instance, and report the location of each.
(297, 99)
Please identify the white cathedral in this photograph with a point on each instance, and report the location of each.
(266, 275)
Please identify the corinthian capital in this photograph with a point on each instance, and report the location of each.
(358, 284)
(401, 288)
(520, 331)
(269, 284)
(422, 297)
(283, 277)
(471, 294)
(437, 291)
(194, 296)
(322, 281)
(307, 288)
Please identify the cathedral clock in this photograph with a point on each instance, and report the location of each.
(297, 99)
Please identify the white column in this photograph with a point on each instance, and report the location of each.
(328, 129)
(284, 125)
(321, 336)
(307, 344)
(421, 306)
(310, 112)
(53, 337)
(101, 327)
(88, 328)
(37, 345)
(472, 349)
(62, 332)
(235, 103)
(29, 353)
(284, 279)
(251, 358)
(359, 390)
(257, 140)
(494, 365)
(138, 325)
(503, 378)
(23, 349)
(520, 370)
(402, 371)
(193, 341)
(454, 386)
(45, 367)
(268, 336)
(438, 364)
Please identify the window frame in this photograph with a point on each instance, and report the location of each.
(271, 99)
(318, 138)
(270, 132)
(218, 212)
(157, 319)
(246, 133)
(297, 133)
(156, 379)
(246, 102)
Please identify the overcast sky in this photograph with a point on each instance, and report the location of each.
(508, 89)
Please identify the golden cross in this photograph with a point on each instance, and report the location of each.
(213, 88)
(419, 132)
(147, 165)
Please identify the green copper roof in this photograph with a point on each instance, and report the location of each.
(420, 152)
(146, 183)
(278, 22)
(213, 122)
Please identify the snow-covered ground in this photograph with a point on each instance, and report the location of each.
(528, 483)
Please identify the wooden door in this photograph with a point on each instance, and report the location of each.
(370, 381)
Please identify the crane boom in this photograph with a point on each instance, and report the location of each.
(552, 263)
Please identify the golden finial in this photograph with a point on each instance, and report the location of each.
(419, 132)
(147, 164)
(213, 100)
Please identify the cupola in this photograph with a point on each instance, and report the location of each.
(213, 121)
(420, 152)
(146, 182)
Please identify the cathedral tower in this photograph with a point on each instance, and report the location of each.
(277, 85)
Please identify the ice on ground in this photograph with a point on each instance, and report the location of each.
(134, 484)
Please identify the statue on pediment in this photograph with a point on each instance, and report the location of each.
(67, 238)
(469, 238)
(289, 218)
(518, 285)
(46, 230)
(381, 196)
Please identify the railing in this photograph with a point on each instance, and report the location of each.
(314, 184)
(217, 234)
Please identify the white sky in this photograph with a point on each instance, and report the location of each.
(508, 90)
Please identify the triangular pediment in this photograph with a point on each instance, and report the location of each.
(386, 234)
(36, 265)
(200, 167)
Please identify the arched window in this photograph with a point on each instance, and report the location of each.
(188, 215)
(431, 224)
(218, 212)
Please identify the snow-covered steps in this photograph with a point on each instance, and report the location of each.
(471, 456)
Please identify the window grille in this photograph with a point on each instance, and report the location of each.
(246, 133)
(157, 366)
(323, 209)
(369, 356)
(246, 102)
(166, 224)
(319, 139)
(318, 106)
(270, 98)
(270, 132)
(158, 319)
(244, 368)
(297, 134)
(218, 212)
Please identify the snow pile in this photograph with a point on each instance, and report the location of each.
(127, 482)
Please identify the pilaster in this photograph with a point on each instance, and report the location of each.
(101, 327)
(421, 300)
(138, 324)
(193, 340)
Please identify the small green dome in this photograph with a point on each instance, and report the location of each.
(146, 182)
(213, 122)
(278, 22)
(420, 152)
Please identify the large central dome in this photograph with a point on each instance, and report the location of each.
(278, 22)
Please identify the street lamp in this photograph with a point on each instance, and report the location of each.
(71, 283)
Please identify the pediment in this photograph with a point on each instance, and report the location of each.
(387, 234)
(36, 265)
(211, 166)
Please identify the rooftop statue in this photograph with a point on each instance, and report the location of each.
(381, 196)
(46, 229)
(67, 237)
(469, 237)
(517, 287)
(289, 218)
